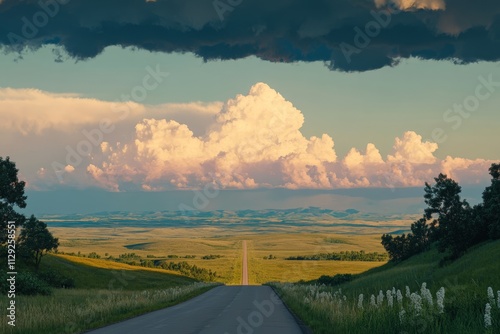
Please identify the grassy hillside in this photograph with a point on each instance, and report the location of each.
(103, 274)
(465, 281)
(106, 292)
(477, 268)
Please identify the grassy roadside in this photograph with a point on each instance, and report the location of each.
(465, 282)
(102, 296)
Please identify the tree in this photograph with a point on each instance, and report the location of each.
(11, 194)
(453, 225)
(35, 241)
(397, 247)
(491, 203)
(419, 238)
(404, 246)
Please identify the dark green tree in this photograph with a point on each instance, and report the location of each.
(419, 238)
(35, 241)
(452, 217)
(491, 203)
(11, 194)
(404, 246)
(397, 247)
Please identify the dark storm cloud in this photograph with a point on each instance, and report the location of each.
(353, 35)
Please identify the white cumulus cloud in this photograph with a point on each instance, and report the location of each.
(256, 141)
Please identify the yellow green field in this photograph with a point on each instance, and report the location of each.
(161, 242)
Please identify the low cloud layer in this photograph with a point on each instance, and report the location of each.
(250, 141)
(33, 111)
(347, 35)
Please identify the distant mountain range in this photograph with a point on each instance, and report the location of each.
(309, 216)
(337, 203)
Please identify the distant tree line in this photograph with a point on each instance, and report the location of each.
(450, 222)
(183, 267)
(186, 269)
(211, 257)
(343, 256)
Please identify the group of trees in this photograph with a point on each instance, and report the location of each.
(449, 221)
(189, 270)
(183, 267)
(342, 256)
(34, 239)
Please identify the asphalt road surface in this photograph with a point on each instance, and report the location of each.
(222, 310)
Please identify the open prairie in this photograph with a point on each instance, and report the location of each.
(192, 244)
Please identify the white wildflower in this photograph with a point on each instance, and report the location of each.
(402, 314)
(380, 298)
(491, 296)
(416, 302)
(390, 298)
(399, 297)
(393, 291)
(360, 301)
(372, 301)
(426, 293)
(408, 293)
(306, 300)
(440, 300)
(487, 316)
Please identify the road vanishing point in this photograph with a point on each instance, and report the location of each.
(243, 309)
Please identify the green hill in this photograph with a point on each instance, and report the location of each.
(479, 268)
(103, 274)
(105, 292)
(465, 280)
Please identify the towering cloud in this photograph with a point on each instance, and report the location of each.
(254, 140)
(249, 141)
(347, 35)
(252, 136)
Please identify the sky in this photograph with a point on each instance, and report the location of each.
(169, 95)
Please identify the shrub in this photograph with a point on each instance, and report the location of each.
(335, 280)
(56, 280)
(27, 283)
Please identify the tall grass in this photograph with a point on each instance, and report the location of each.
(327, 310)
(466, 282)
(74, 311)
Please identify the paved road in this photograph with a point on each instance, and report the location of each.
(244, 274)
(222, 310)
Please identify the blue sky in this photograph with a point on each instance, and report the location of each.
(355, 108)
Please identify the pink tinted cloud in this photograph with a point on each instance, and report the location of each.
(255, 141)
